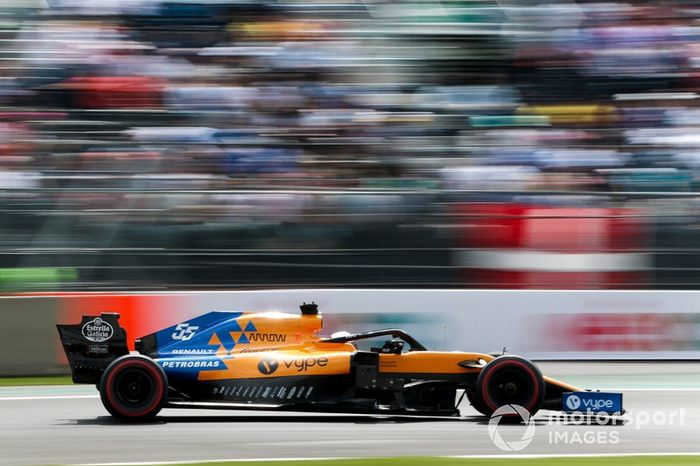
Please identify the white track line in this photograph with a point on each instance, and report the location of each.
(627, 390)
(499, 456)
(671, 389)
(60, 397)
(571, 455)
(46, 397)
(230, 460)
(77, 397)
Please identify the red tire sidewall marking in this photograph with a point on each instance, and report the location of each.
(487, 395)
(131, 363)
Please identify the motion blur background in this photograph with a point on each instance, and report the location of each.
(186, 145)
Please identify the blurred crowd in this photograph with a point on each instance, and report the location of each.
(468, 143)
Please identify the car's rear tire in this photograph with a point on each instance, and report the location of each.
(509, 380)
(133, 388)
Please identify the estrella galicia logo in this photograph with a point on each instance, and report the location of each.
(97, 330)
(268, 366)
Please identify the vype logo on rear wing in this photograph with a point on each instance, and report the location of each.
(592, 402)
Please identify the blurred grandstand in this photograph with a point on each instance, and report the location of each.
(227, 144)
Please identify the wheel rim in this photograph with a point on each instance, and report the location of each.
(511, 386)
(134, 388)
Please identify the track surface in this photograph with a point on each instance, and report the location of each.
(68, 425)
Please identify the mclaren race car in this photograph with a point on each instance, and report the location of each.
(274, 360)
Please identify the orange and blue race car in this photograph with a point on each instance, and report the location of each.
(273, 360)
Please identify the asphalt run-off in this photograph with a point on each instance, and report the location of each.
(68, 425)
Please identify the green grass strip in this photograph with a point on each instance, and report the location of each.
(439, 461)
(39, 380)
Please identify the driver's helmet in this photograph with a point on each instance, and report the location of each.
(393, 346)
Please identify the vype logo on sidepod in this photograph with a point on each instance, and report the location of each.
(268, 366)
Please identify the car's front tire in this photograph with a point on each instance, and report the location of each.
(133, 388)
(509, 380)
(477, 403)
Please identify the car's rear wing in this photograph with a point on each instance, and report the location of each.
(92, 345)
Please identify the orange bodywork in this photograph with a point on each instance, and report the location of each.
(303, 360)
(427, 362)
(284, 345)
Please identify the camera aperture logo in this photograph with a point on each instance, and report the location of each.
(496, 428)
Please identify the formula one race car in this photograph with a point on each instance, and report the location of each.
(277, 361)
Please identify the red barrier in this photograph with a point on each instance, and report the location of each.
(140, 314)
(530, 246)
(618, 332)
